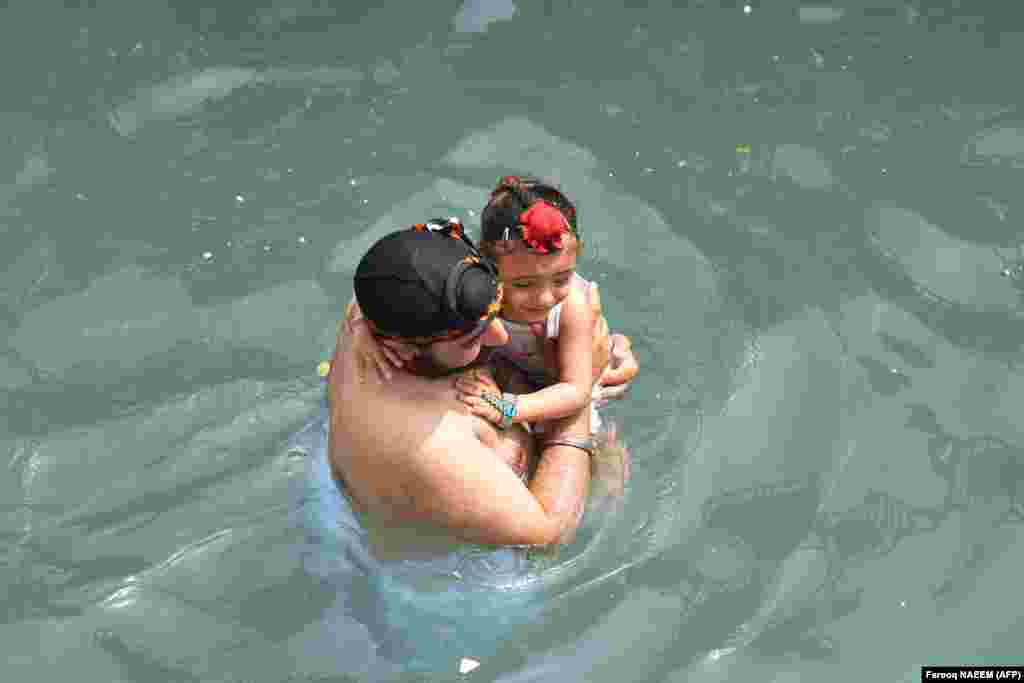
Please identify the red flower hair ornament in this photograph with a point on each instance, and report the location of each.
(543, 227)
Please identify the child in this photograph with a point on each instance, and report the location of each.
(558, 337)
(559, 341)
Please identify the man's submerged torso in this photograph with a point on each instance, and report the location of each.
(412, 556)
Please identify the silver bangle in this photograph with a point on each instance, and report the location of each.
(588, 445)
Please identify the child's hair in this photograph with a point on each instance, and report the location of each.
(510, 199)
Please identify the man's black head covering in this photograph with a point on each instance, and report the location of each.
(425, 282)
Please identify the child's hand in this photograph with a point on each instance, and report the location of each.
(470, 388)
(381, 355)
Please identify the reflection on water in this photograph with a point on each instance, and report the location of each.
(803, 216)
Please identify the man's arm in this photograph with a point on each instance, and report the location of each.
(479, 498)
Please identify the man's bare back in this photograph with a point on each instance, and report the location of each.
(380, 438)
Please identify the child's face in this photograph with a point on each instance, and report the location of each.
(534, 283)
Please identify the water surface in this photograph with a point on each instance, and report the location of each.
(805, 216)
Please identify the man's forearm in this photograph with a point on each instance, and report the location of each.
(562, 481)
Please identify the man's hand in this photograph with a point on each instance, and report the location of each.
(377, 354)
(617, 377)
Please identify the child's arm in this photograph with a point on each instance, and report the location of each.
(369, 352)
(615, 366)
(601, 337)
(575, 351)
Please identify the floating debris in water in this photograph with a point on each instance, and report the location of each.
(466, 665)
(743, 149)
(475, 16)
(385, 72)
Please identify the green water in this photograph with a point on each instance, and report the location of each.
(807, 217)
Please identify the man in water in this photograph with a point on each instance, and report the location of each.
(407, 451)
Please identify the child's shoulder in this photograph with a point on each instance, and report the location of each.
(584, 295)
(582, 283)
(578, 306)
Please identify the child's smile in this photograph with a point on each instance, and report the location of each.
(535, 283)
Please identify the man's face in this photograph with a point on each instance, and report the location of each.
(462, 351)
